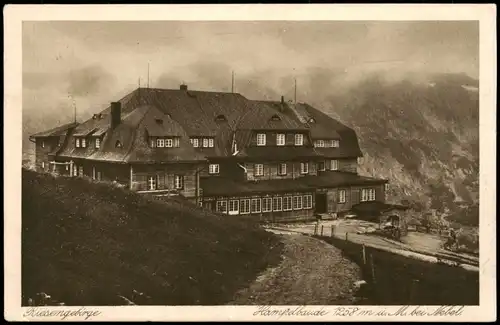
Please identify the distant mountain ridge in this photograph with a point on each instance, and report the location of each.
(423, 136)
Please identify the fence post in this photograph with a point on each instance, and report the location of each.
(364, 255)
(372, 268)
(332, 231)
(315, 229)
(321, 230)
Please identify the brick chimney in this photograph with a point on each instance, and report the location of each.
(184, 87)
(282, 106)
(116, 114)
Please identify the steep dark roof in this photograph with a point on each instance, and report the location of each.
(132, 133)
(220, 186)
(263, 116)
(55, 132)
(322, 126)
(337, 178)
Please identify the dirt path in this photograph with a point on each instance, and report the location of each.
(312, 272)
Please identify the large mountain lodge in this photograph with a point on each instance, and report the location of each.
(274, 160)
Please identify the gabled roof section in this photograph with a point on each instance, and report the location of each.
(263, 116)
(321, 126)
(55, 132)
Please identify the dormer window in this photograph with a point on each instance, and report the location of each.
(261, 139)
(84, 143)
(97, 143)
(319, 143)
(299, 139)
(118, 144)
(221, 118)
(205, 143)
(160, 143)
(275, 118)
(172, 142)
(169, 143)
(311, 120)
(77, 142)
(159, 121)
(195, 142)
(335, 143)
(210, 143)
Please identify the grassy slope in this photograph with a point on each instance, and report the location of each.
(86, 243)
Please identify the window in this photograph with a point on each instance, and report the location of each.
(321, 166)
(77, 142)
(320, 143)
(67, 167)
(80, 171)
(118, 144)
(277, 203)
(99, 175)
(244, 206)
(176, 142)
(304, 168)
(267, 204)
(221, 206)
(84, 143)
(280, 139)
(297, 202)
(210, 143)
(195, 143)
(75, 170)
(205, 143)
(259, 169)
(334, 164)
(152, 183)
(299, 139)
(342, 196)
(179, 182)
(160, 143)
(169, 143)
(261, 139)
(287, 203)
(334, 143)
(367, 194)
(213, 168)
(308, 201)
(282, 169)
(256, 205)
(97, 143)
(43, 165)
(43, 144)
(233, 206)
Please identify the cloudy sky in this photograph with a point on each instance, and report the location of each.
(94, 63)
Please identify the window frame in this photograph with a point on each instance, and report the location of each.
(280, 169)
(210, 142)
(84, 142)
(258, 200)
(368, 195)
(261, 139)
(77, 142)
(256, 169)
(320, 143)
(98, 143)
(335, 143)
(196, 142)
(334, 164)
(265, 207)
(304, 168)
(321, 166)
(279, 207)
(169, 143)
(299, 139)
(342, 198)
(237, 205)
(307, 199)
(244, 203)
(287, 203)
(297, 202)
(181, 182)
(213, 169)
(220, 203)
(160, 143)
(278, 137)
(152, 183)
(205, 142)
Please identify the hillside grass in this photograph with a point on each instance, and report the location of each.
(87, 243)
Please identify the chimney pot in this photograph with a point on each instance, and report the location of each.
(184, 87)
(282, 99)
(116, 113)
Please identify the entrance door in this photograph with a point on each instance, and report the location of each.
(320, 206)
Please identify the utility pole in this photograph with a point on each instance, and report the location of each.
(232, 82)
(148, 74)
(295, 96)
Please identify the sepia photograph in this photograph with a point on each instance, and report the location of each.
(251, 163)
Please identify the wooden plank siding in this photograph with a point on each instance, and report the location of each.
(271, 171)
(352, 196)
